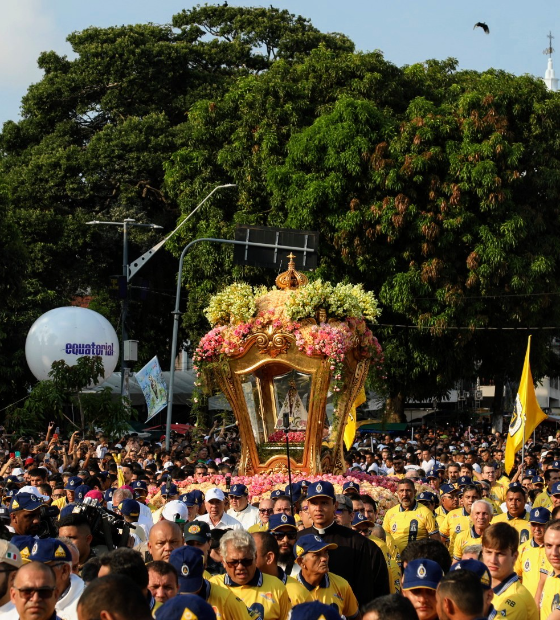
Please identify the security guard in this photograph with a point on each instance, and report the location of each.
(516, 515)
(531, 556)
(409, 521)
(312, 556)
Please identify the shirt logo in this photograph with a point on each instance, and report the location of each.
(267, 596)
(394, 527)
(527, 566)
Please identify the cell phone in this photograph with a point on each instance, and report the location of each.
(55, 437)
(18, 454)
(45, 460)
(12, 455)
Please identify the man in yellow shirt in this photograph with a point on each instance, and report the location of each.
(409, 520)
(531, 553)
(550, 599)
(516, 514)
(449, 501)
(497, 491)
(312, 556)
(551, 477)
(458, 520)
(481, 514)
(262, 594)
(499, 552)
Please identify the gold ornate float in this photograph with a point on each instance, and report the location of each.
(297, 355)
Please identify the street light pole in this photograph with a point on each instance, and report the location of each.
(125, 224)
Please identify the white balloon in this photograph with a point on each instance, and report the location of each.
(68, 334)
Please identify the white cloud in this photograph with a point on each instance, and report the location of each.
(27, 28)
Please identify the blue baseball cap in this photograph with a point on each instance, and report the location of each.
(67, 510)
(238, 490)
(188, 561)
(313, 611)
(323, 488)
(426, 496)
(108, 495)
(169, 489)
(129, 508)
(311, 543)
(139, 485)
(278, 493)
(537, 480)
(49, 550)
(432, 474)
(198, 496)
(293, 492)
(446, 489)
(531, 472)
(463, 481)
(25, 501)
(73, 483)
(24, 544)
(175, 609)
(360, 518)
(554, 465)
(81, 492)
(351, 487)
(555, 489)
(188, 499)
(539, 515)
(421, 573)
(281, 520)
(516, 486)
(476, 567)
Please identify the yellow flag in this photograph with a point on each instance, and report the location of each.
(120, 473)
(351, 422)
(527, 414)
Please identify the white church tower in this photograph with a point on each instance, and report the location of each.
(549, 79)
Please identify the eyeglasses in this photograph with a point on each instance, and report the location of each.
(246, 562)
(266, 511)
(43, 593)
(281, 535)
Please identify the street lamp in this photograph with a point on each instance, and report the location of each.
(126, 224)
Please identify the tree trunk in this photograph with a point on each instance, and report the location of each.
(498, 404)
(394, 408)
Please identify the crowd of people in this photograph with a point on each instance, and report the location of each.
(93, 529)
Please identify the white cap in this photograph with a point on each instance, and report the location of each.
(33, 491)
(17, 471)
(175, 510)
(215, 494)
(167, 464)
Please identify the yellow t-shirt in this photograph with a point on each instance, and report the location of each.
(297, 592)
(543, 500)
(392, 566)
(521, 524)
(455, 521)
(334, 591)
(224, 603)
(264, 594)
(512, 600)
(409, 525)
(528, 565)
(550, 598)
(498, 493)
(464, 539)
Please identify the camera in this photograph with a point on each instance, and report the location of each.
(108, 529)
(48, 528)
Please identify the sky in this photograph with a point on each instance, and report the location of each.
(406, 31)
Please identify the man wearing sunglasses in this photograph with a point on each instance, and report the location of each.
(34, 592)
(10, 561)
(240, 509)
(263, 594)
(57, 556)
(284, 529)
(266, 508)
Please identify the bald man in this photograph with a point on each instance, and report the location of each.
(164, 537)
(34, 592)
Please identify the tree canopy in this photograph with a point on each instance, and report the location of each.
(436, 188)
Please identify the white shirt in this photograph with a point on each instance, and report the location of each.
(247, 517)
(9, 611)
(67, 605)
(145, 518)
(428, 465)
(225, 522)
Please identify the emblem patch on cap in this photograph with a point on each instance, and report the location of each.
(194, 529)
(319, 488)
(421, 572)
(185, 570)
(35, 549)
(537, 512)
(59, 553)
(284, 518)
(188, 615)
(318, 539)
(15, 504)
(25, 553)
(299, 551)
(234, 488)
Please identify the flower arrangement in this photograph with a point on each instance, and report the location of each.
(293, 436)
(381, 488)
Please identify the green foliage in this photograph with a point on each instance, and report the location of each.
(52, 399)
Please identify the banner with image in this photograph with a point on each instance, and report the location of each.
(151, 381)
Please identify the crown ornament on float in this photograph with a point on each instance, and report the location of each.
(300, 352)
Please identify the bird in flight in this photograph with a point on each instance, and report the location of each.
(483, 26)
